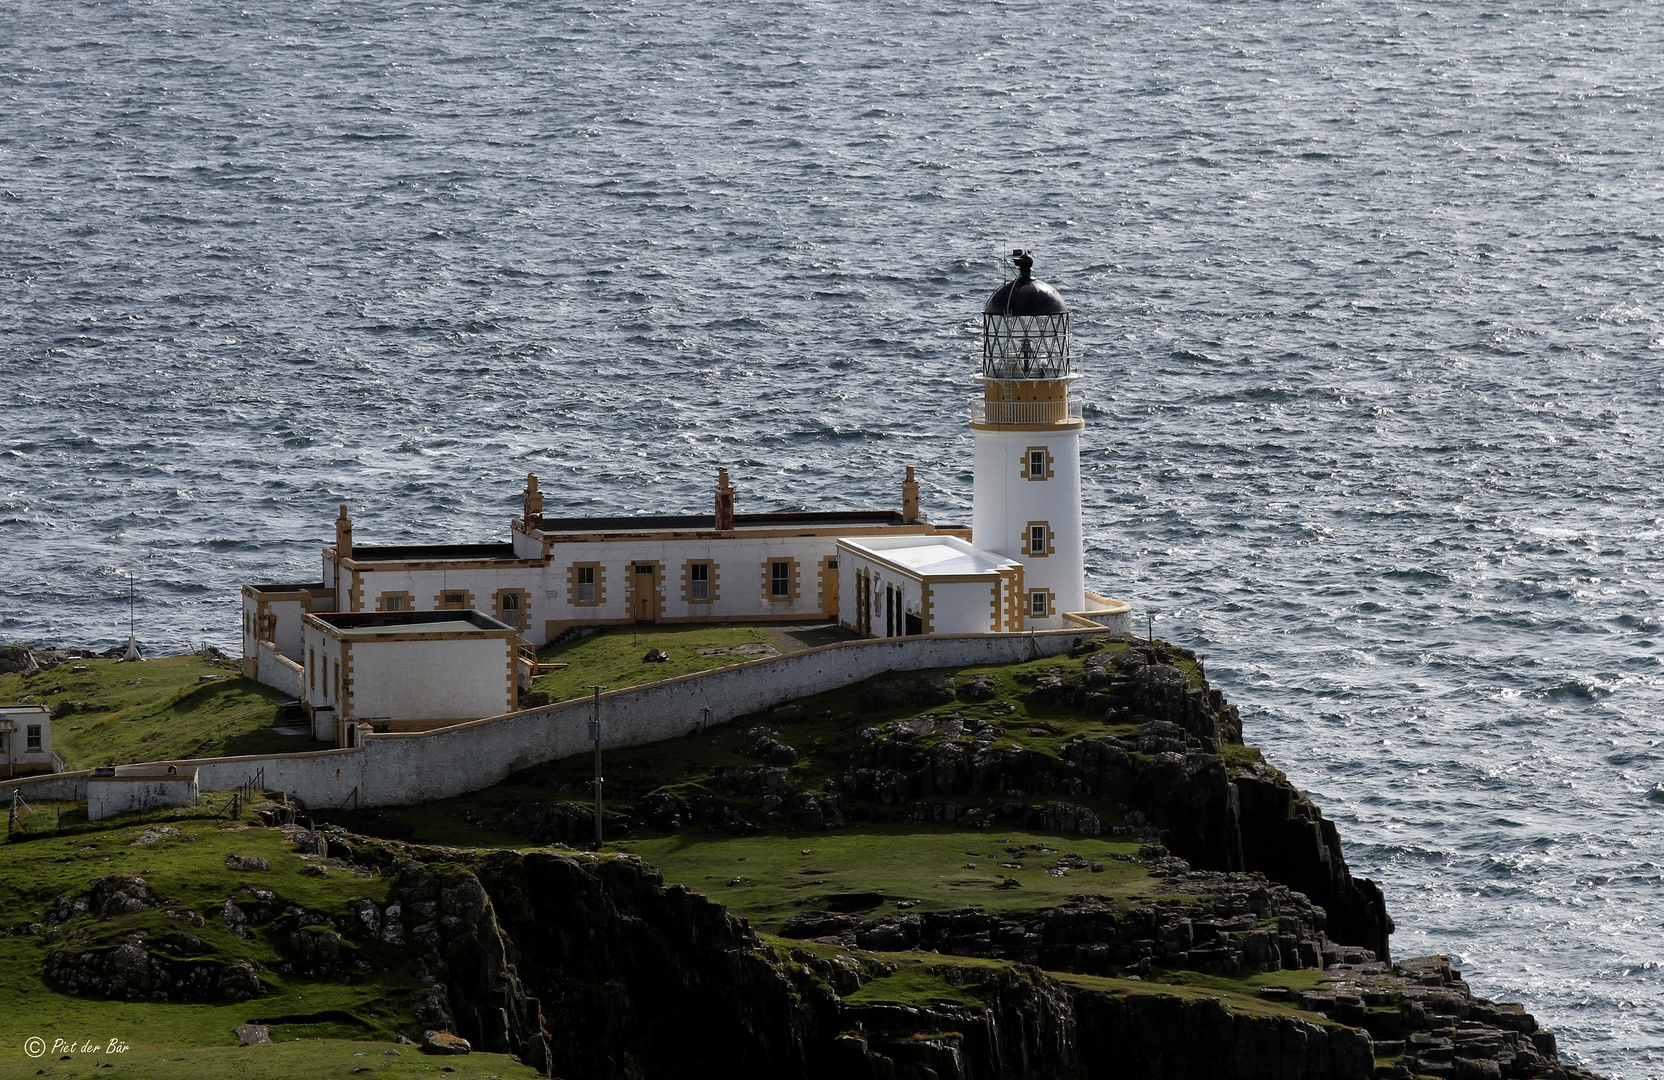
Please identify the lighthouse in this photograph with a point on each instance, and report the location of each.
(1026, 496)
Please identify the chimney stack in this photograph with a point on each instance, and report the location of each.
(724, 502)
(343, 535)
(532, 515)
(910, 498)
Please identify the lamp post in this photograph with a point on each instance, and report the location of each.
(595, 734)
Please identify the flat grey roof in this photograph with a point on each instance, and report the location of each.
(300, 587)
(430, 552)
(707, 522)
(409, 622)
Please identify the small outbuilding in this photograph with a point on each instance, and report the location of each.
(897, 586)
(404, 670)
(123, 788)
(26, 741)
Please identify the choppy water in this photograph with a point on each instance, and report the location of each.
(1367, 296)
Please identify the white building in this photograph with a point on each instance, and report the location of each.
(26, 741)
(404, 671)
(1019, 566)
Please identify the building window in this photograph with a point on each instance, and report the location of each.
(1038, 605)
(585, 585)
(508, 608)
(451, 600)
(701, 582)
(32, 734)
(1039, 540)
(1037, 464)
(312, 669)
(780, 580)
(395, 601)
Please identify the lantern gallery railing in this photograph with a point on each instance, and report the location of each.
(984, 411)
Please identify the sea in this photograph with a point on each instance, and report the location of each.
(1366, 303)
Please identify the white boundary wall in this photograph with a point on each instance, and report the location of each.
(400, 769)
(278, 671)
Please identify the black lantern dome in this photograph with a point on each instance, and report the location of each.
(1025, 328)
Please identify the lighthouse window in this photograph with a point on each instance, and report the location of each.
(1037, 540)
(1037, 603)
(1037, 464)
(780, 579)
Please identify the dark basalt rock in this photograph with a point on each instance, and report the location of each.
(518, 946)
(132, 972)
(765, 744)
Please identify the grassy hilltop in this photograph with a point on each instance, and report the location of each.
(182, 858)
(106, 713)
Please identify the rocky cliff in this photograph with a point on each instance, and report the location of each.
(591, 967)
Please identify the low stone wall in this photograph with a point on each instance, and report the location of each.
(53, 787)
(418, 767)
(399, 769)
(323, 778)
(109, 796)
(277, 671)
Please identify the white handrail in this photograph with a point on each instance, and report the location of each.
(984, 411)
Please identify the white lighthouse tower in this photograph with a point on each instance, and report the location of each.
(1026, 500)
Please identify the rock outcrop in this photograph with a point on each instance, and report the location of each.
(592, 967)
(1171, 773)
(140, 971)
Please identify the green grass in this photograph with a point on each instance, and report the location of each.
(920, 979)
(916, 983)
(1237, 996)
(1238, 757)
(311, 1059)
(113, 714)
(1296, 981)
(188, 873)
(613, 657)
(923, 863)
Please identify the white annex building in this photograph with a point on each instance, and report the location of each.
(343, 645)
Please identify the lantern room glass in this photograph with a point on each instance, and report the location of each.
(1025, 346)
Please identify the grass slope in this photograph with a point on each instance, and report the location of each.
(113, 714)
(312, 1059)
(188, 873)
(613, 657)
(771, 876)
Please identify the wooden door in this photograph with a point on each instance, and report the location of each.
(647, 593)
(829, 589)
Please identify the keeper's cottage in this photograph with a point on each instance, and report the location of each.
(883, 573)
